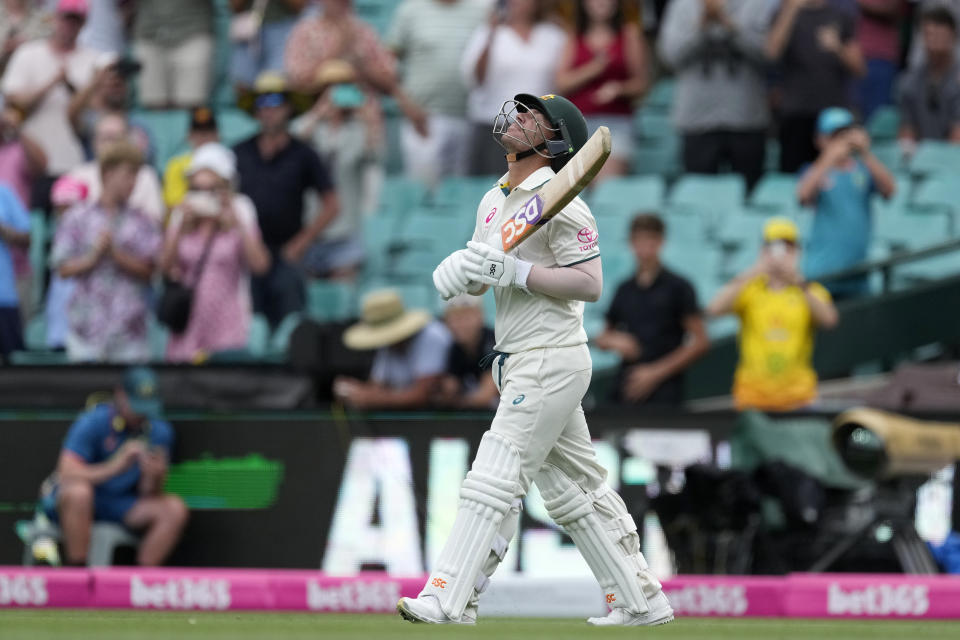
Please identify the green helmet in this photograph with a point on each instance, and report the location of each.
(566, 119)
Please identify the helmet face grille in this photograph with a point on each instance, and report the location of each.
(536, 138)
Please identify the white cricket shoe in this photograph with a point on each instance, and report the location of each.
(427, 609)
(660, 612)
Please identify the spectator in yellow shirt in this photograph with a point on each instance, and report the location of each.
(779, 312)
(203, 129)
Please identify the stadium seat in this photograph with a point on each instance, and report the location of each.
(939, 193)
(890, 155)
(660, 95)
(775, 194)
(400, 194)
(708, 192)
(168, 129)
(934, 156)
(35, 335)
(235, 126)
(653, 124)
(329, 301)
(660, 157)
(415, 295)
(158, 336)
(901, 231)
(40, 233)
(259, 338)
(884, 124)
(461, 194)
(627, 195)
(105, 539)
(280, 340)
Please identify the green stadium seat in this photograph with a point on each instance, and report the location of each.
(884, 124)
(39, 358)
(157, 336)
(35, 335)
(660, 95)
(40, 233)
(604, 360)
(907, 232)
(329, 301)
(889, 154)
(235, 125)
(938, 193)
(399, 194)
(440, 229)
(660, 157)
(709, 192)
(280, 340)
(461, 194)
(653, 124)
(775, 194)
(168, 129)
(629, 195)
(415, 295)
(934, 156)
(259, 338)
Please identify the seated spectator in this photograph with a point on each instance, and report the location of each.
(491, 65)
(465, 385)
(930, 92)
(276, 171)
(337, 37)
(109, 94)
(411, 356)
(715, 47)
(343, 132)
(203, 130)
(14, 232)
(110, 249)
(813, 41)
(878, 31)
(779, 313)
(839, 185)
(112, 468)
(147, 196)
(20, 21)
(259, 31)
(21, 161)
(654, 324)
(428, 38)
(917, 56)
(174, 41)
(212, 245)
(67, 193)
(603, 70)
(41, 80)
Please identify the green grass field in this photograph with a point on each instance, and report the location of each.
(151, 625)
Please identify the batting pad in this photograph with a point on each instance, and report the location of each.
(606, 536)
(488, 493)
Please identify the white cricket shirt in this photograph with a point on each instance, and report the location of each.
(533, 320)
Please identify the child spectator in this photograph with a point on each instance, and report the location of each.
(110, 248)
(839, 185)
(654, 324)
(779, 314)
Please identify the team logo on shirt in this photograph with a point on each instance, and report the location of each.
(587, 238)
(520, 398)
(490, 215)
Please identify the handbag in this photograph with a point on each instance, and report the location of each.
(176, 303)
(245, 25)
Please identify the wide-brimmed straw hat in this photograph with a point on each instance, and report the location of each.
(273, 83)
(384, 322)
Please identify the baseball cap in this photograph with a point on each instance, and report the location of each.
(832, 119)
(203, 119)
(780, 229)
(77, 7)
(140, 385)
(215, 157)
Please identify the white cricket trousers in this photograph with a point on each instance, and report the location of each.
(540, 412)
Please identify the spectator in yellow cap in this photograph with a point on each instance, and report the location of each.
(779, 312)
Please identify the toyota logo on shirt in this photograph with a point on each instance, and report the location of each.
(587, 238)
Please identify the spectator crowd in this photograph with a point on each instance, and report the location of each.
(241, 229)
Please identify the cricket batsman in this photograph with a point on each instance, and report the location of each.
(542, 368)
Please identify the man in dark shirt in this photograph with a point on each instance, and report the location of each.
(276, 171)
(930, 93)
(654, 323)
(815, 44)
(465, 385)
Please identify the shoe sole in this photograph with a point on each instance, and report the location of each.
(410, 616)
(656, 623)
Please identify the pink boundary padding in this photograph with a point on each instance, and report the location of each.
(795, 596)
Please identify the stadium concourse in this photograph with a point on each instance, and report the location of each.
(779, 226)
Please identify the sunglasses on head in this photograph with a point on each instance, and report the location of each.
(270, 100)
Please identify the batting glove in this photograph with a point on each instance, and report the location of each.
(488, 265)
(450, 277)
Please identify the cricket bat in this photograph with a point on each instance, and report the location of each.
(558, 192)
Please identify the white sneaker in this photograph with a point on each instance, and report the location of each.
(660, 612)
(427, 609)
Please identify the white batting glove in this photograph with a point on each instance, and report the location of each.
(487, 265)
(450, 277)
